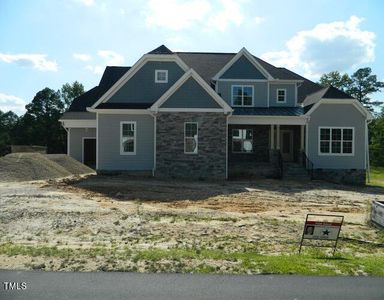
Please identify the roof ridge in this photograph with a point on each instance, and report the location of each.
(199, 52)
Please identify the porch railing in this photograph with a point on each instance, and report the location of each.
(307, 164)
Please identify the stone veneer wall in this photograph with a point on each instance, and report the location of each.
(208, 163)
(346, 176)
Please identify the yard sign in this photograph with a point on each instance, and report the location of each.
(322, 227)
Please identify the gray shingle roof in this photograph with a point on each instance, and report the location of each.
(325, 93)
(207, 65)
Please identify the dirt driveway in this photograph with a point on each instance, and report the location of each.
(264, 216)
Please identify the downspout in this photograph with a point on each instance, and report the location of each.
(226, 147)
(153, 114)
(367, 164)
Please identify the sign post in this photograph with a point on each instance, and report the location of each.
(322, 227)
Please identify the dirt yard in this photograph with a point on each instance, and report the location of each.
(123, 223)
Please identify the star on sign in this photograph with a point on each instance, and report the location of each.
(326, 232)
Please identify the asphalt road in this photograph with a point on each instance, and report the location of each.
(60, 285)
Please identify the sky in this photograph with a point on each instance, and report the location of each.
(47, 43)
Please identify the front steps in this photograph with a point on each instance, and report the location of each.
(294, 171)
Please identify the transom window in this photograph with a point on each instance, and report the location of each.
(127, 138)
(242, 140)
(281, 95)
(161, 76)
(336, 140)
(191, 138)
(242, 95)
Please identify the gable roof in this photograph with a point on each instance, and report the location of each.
(161, 50)
(243, 52)
(191, 74)
(109, 78)
(325, 93)
(206, 64)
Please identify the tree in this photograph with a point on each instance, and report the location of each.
(376, 129)
(364, 84)
(360, 85)
(7, 122)
(39, 125)
(68, 92)
(334, 78)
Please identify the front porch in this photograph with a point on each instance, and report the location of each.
(261, 150)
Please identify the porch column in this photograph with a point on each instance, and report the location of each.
(272, 137)
(302, 138)
(278, 137)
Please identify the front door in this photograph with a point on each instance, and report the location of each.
(286, 142)
(89, 152)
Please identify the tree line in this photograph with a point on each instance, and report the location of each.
(40, 125)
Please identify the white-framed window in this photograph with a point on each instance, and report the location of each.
(242, 141)
(336, 140)
(242, 95)
(281, 95)
(161, 76)
(127, 138)
(191, 137)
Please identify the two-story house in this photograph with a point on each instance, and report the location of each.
(207, 115)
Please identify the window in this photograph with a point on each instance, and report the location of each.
(336, 140)
(161, 76)
(281, 95)
(190, 137)
(242, 141)
(127, 138)
(242, 95)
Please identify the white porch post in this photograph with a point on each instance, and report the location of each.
(278, 137)
(272, 137)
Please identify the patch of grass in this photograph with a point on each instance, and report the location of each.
(311, 262)
(377, 176)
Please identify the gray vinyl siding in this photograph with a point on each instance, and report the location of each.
(76, 136)
(141, 88)
(190, 95)
(109, 157)
(337, 115)
(260, 91)
(290, 95)
(243, 69)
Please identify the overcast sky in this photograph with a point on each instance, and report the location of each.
(48, 43)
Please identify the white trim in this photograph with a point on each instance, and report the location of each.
(197, 137)
(354, 102)
(134, 138)
(119, 111)
(137, 66)
(191, 73)
(267, 120)
(330, 141)
(82, 146)
(161, 81)
(296, 94)
(154, 143)
(68, 141)
(242, 88)
(226, 148)
(251, 59)
(97, 141)
(79, 123)
(190, 110)
(242, 80)
(277, 96)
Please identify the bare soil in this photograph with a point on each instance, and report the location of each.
(120, 212)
